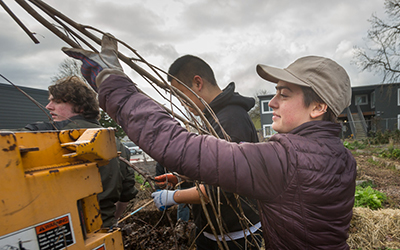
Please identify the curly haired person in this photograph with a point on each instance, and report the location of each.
(73, 105)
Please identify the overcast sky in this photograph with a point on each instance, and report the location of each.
(232, 36)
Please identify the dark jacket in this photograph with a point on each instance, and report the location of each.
(304, 180)
(231, 110)
(118, 179)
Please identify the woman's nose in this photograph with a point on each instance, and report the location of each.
(272, 103)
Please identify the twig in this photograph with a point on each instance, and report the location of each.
(58, 16)
(205, 211)
(147, 176)
(16, 19)
(137, 210)
(32, 99)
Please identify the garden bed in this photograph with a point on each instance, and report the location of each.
(369, 229)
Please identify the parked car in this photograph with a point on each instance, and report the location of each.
(133, 151)
(138, 150)
(133, 148)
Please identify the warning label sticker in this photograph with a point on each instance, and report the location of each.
(54, 234)
(101, 247)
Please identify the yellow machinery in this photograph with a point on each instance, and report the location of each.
(48, 190)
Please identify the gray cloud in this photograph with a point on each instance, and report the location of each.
(232, 36)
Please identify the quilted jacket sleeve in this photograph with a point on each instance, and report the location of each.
(254, 170)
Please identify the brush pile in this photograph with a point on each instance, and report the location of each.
(153, 229)
(374, 229)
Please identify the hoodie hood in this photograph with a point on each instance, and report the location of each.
(230, 97)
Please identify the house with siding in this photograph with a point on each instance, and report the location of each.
(373, 108)
(16, 110)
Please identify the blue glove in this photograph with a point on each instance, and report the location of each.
(164, 199)
(93, 63)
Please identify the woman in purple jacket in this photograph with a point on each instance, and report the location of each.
(303, 178)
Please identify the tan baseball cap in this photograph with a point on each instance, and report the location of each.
(328, 79)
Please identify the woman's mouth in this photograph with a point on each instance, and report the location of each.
(274, 115)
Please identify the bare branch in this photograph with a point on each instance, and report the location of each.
(380, 54)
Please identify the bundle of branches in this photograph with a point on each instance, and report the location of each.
(374, 229)
(75, 34)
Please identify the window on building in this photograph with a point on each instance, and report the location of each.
(265, 109)
(373, 99)
(398, 122)
(361, 99)
(398, 97)
(268, 131)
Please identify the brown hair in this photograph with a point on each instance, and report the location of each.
(310, 96)
(73, 90)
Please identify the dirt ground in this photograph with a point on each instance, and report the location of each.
(152, 229)
(383, 174)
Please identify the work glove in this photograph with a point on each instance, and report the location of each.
(164, 199)
(94, 63)
(166, 181)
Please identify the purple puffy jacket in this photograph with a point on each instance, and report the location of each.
(304, 181)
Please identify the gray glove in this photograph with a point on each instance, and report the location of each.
(94, 63)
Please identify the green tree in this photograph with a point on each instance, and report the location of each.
(106, 121)
(380, 54)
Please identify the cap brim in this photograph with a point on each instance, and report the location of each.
(275, 75)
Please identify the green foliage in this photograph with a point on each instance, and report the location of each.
(139, 179)
(371, 160)
(354, 145)
(386, 137)
(395, 135)
(107, 122)
(379, 137)
(257, 122)
(368, 183)
(391, 153)
(368, 197)
(348, 145)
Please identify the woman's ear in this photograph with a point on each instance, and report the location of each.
(318, 111)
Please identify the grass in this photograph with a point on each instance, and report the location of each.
(376, 163)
